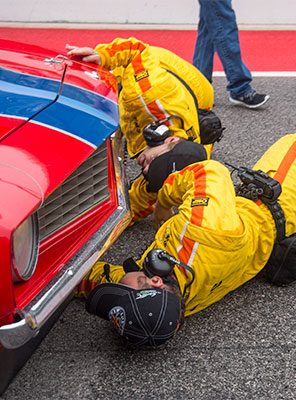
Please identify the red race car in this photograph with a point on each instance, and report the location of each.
(64, 197)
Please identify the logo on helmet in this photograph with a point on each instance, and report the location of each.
(145, 293)
(117, 318)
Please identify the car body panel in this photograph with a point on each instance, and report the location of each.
(32, 78)
(37, 61)
(55, 113)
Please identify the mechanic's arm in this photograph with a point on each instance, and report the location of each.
(176, 185)
(170, 195)
(141, 201)
(87, 54)
(101, 272)
(119, 53)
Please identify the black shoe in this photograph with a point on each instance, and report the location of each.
(250, 100)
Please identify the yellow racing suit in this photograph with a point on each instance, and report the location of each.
(225, 238)
(151, 93)
(155, 85)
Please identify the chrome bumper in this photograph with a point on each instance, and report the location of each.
(37, 312)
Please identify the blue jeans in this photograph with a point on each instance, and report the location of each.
(218, 32)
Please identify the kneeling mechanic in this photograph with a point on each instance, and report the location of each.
(162, 96)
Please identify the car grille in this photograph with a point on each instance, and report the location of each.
(84, 189)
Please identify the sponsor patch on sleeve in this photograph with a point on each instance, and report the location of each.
(200, 201)
(141, 75)
(191, 133)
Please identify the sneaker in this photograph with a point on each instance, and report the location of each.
(250, 100)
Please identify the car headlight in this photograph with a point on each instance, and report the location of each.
(25, 246)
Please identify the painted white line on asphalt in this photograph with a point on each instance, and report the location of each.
(266, 74)
(139, 26)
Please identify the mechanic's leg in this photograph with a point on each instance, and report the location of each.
(279, 161)
(203, 57)
(220, 20)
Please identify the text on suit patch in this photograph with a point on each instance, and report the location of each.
(200, 201)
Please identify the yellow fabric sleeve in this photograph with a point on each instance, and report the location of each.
(101, 272)
(120, 52)
(141, 201)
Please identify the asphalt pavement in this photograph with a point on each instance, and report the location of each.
(242, 347)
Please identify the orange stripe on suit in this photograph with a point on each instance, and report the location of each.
(156, 111)
(286, 164)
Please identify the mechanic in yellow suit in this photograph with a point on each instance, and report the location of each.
(157, 85)
(217, 242)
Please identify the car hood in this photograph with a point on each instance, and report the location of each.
(33, 78)
(53, 114)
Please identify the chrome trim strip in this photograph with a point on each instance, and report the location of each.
(38, 311)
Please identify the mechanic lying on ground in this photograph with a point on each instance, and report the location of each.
(217, 241)
(162, 95)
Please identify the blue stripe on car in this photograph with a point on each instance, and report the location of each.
(24, 95)
(78, 112)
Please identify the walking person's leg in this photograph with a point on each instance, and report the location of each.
(219, 22)
(203, 57)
